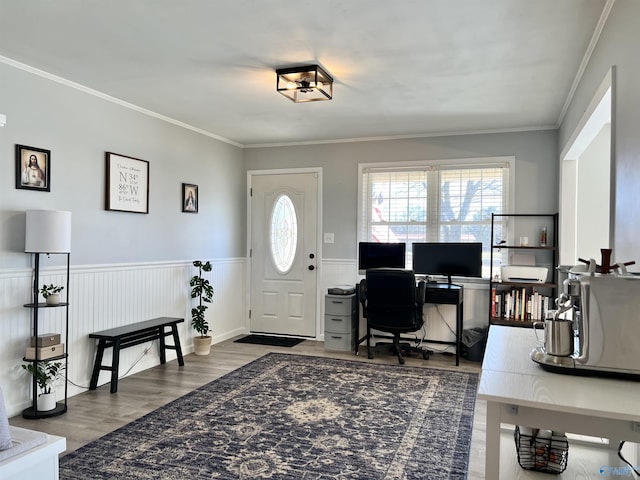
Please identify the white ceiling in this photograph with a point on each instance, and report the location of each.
(401, 68)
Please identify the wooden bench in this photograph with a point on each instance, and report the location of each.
(130, 335)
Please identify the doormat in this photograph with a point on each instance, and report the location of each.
(271, 341)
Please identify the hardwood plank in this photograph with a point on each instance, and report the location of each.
(95, 413)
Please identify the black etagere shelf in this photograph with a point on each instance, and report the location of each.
(36, 307)
(525, 289)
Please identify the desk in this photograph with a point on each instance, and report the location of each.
(448, 294)
(436, 293)
(130, 335)
(519, 392)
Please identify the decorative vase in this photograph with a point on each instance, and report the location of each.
(202, 345)
(46, 401)
(53, 299)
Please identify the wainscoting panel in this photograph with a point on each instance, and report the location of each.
(103, 297)
(228, 312)
(108, 296)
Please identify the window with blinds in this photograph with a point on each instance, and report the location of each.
(449, 202)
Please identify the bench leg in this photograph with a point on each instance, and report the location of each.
(176, 343)
(115, 366)
(96, 366)
(163, 345)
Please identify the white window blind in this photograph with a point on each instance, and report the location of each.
(432, 203)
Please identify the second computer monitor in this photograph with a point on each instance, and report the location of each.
(448, 258)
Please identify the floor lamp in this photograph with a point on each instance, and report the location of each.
(46, 232)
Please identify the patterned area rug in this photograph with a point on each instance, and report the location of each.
(297, 417)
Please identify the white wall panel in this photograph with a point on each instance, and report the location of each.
(103, 297)
(228, 313)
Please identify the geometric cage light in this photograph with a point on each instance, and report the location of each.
(308, 83)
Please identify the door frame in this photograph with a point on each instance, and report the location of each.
(601, 109)
(319, 230)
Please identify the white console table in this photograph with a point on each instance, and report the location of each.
(520, 392)
(34, 455)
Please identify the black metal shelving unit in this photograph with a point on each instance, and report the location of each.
(61, 406)
(550, 221)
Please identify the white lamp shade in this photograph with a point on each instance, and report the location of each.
(47, 231)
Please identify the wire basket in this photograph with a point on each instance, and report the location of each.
(541, 450)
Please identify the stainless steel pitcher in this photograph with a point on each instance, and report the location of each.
(558, 335)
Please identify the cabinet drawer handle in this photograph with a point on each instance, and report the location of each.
(339, 302)
(336, 338)
(337, 319)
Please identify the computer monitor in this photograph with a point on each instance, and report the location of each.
(379, 255)
(448, 258)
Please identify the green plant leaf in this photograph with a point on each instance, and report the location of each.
(201, 289)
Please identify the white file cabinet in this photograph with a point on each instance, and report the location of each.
(340, 317)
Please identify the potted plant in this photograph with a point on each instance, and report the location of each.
(46, 373)
(51, 293)
(203, 291)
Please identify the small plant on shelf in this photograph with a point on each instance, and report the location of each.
(47, 373)
(51, 293)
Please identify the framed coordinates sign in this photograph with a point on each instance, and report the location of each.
(127, 184)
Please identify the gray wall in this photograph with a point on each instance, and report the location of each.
(618, 45)
(79, 128)
(536, 184)
(593, 197)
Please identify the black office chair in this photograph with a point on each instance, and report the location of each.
(392, 303)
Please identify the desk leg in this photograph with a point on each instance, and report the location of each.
(163, 354)
(176, 343)
(93, 384)
(459, 314)
(356, 328)
(115, 366)
(492, 452)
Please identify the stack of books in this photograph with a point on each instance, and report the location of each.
(520, 303)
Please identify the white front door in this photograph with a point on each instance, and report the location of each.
(284, 257)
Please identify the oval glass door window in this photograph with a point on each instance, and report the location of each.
(284, 233)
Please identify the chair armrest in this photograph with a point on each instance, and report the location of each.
(421, 292)
(362, 296)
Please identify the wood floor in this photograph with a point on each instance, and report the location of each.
(95, 413)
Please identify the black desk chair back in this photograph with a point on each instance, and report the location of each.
(392, 303)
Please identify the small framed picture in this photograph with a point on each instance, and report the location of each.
(189, 198)
(33, 168)
(127, 188)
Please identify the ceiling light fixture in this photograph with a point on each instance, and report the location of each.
(309, 83)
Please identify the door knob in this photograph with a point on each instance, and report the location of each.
(311, 267)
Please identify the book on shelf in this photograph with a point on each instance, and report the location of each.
(520, 304)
